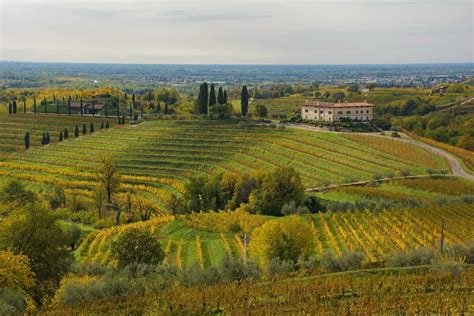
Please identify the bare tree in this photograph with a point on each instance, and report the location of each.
(108, 176)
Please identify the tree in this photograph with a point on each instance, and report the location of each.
(220, 96)
(225, 96)
(34, 105)
(43, 139)
(108, 176)
(58, 198)
(284, 240)
(61, 136)
(339, 96)
(76, 131)
(14, 109)
(48, 138)
(203, 98)
(15, 193)
(15, 271)
(212, 96)
(27, 140)
(57, 106)
(84, 129)
(82, 108)
(10, 108)
(133, 104)
(244, 101)
(35, 232)
(274, 189)
(69, 105)
(166, 111)
(261, 111)
(98, 199)
(136, 246)
(24, 104)
(167, 95)
(91, 128)
(66, 133)
(45, 103)
(73, 234)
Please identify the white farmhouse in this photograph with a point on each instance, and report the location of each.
(330, 112)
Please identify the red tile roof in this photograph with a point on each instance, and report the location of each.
(336, 105)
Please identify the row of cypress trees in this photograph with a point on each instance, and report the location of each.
(207, 99)
(46, 139)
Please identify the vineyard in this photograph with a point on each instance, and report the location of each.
(204, 238)
(413, 291)
(157, 157)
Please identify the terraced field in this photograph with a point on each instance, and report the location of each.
(14, 127)
(157, 157)
(375, 233)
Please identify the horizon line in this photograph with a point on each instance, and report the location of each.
(236, 64)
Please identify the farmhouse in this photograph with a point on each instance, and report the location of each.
(328, 111)
(88, 108)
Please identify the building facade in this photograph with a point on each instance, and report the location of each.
(330, 112)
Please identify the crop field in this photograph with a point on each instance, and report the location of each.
(205, 238)
(157, 157)
(14, 127)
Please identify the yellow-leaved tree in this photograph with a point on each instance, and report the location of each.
(286, 239)
(15, 271)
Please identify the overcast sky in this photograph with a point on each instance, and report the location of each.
(238, 32)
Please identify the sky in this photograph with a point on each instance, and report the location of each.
(237, 32)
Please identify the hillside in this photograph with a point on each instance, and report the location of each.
(157, 157)
(204, 238)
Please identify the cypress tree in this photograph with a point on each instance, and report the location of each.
(119, 121)
(225, 96)
(57, 106)
(166, 107)
(102, 125)
(107, 124)
(24, 105)
(118, 109)
(69, 106)
(48, 138)
(126, 96)
(61, 136)
(220, 96)
(141, 111)
(76, 131)
(82, 108)
(43, 140)
(133, 101)
(123, 119)
(91, 128)
(212, 96)
(34, 105)
(131, 110)
(27, 140)
(45, 106)
(244, 101)
(10, 108)
(84, 129)
(14, 107)
(158, 108)
(203, 98)
(66, 133)
(93, 108)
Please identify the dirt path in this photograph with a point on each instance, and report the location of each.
(454, 164)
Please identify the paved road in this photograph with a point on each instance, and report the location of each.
(454, 164)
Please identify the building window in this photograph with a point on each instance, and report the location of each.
(321, 112)
(306, 110)
(348, 112)
(367, 111)
(357, 112)
(340, 112)
(315, 111)
(330, 112)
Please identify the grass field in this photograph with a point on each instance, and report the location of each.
(157, 157)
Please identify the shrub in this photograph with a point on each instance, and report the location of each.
(235, 270)
(413, 257)
(136, 246)
(11, 302)
(285, 239)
